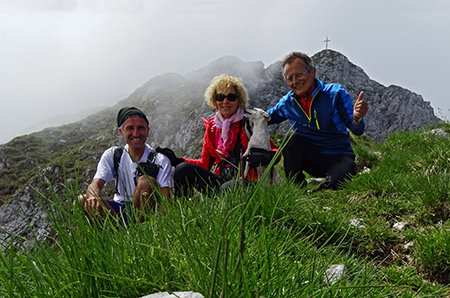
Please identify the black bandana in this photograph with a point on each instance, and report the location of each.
(128, 112)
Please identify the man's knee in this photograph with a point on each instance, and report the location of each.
(341, 171)
(184, 171)
(145, 190)
(346, 167)
(146, 183)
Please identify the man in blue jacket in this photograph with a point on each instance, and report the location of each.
(321, 114)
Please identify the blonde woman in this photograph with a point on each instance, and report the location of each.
(226, 139)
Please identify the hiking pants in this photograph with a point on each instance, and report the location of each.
(300, 155)
(188, 176)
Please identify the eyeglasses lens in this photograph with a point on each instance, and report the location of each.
(297, 76)
(230, 97)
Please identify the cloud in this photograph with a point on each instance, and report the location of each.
(40, 5)
(68, 55)
(95, 6)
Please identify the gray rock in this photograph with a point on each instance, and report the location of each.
(399, 226)
(318, 180)
(334, 273)
(365, 170)
(408, 245)
(391, 108)
(23, 223)
(438, 132)
(356, 223)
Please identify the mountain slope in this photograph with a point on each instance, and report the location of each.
(67, 155)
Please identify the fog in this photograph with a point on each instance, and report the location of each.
(62, 57)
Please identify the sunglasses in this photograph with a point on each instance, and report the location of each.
(230, 97)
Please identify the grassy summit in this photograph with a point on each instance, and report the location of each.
(389, 227)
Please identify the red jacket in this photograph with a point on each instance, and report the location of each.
(210, 157)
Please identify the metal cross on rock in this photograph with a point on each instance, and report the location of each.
(326, 42)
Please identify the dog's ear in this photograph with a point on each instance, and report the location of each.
(267, 116)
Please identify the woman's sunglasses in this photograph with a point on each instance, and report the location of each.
(230, 97)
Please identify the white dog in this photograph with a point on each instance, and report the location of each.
(260, 138)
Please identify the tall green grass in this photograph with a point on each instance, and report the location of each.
(265, 240)
(192, 245)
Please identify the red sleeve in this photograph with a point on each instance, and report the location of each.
(205, 157)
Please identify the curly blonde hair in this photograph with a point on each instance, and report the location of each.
(226, 81)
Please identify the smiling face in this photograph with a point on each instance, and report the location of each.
(135, 132)
(226, 108)
(300, 80)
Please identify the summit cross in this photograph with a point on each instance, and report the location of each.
(326, 42)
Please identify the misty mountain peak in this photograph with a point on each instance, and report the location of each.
(175, 103)
(165, 80)
(229, 65)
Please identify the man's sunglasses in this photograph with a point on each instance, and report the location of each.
(230, 97)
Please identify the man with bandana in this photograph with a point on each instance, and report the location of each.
(141, 174)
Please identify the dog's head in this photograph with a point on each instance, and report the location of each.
(257, 115)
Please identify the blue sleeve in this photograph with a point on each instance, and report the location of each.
(277, 113)
(345, 110)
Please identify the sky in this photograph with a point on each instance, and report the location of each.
(62, 57)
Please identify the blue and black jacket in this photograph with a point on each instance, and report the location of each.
(331, 113)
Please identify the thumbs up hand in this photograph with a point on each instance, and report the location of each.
(360, 109)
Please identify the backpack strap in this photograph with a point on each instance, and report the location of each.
(117, 155)
(248, 128)
(152, 156)
(226, 170)
(236, 152)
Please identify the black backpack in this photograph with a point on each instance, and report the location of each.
(118, 151)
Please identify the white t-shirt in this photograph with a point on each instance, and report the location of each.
(127, 171)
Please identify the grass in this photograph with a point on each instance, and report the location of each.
(262, 241)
